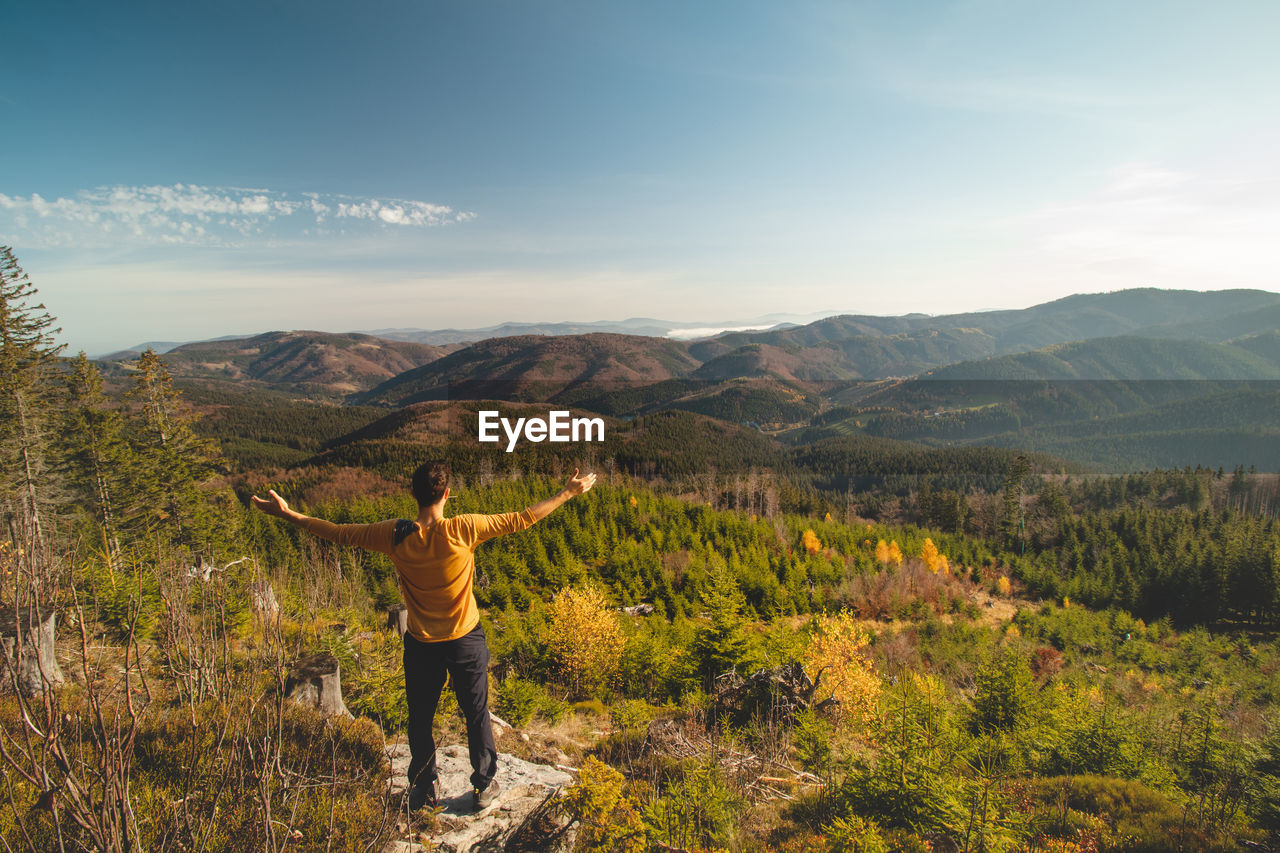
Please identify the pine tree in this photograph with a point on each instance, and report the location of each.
(98, 456)
(1012, 520)
(723, 645)
(28, 358)
(172, 460)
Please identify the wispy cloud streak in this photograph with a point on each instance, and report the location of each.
(190, 215)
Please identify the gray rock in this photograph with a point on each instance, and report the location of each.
(523, 818)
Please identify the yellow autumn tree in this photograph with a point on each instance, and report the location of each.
(584, 639)
(1003, 586)
(882, 552)
(895, 553)
(929, 553)
(811, 542)
(934, 560)
(837, 659)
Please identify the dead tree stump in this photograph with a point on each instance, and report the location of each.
(398, 618)
(263, 598)
(29, 653)
(317, 683)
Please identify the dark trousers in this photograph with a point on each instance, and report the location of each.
(466, 661)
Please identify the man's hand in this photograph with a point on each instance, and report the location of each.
(578, 485)
(273, 504)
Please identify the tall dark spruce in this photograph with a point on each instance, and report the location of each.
(28, 400)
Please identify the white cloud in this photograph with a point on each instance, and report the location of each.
(709, 331)
(186, 214)
(401, 212)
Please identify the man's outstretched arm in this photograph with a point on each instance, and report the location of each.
(484, 527)
(275, 505)
(374, 537)
(576, 486)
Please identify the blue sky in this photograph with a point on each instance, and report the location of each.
(175, 171)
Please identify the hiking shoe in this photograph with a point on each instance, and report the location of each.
(422, 795)
(484, 799)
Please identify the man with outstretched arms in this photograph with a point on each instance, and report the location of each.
(435, 559)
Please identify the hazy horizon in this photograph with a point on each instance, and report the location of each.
(683, 330)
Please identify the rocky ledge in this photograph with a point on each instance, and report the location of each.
(523, 818)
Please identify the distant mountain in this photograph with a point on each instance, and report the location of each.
(868, 347)
(839, 348)
(158, 347)
(1225, 426)
(857, 357)
(1221, 329)
(1121, 403)
(439, 337)
(760, 360)
(1126, 358)
(1104, 378)
(634, 326)
(317, 363)
(533, 367)
(873, 347)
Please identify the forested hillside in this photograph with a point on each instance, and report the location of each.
(318, 364)
(828, 639)
(530, 367)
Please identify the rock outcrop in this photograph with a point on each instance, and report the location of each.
(523, 818)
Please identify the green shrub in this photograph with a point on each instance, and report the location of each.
(1266, 799)
(1128, 814)
(126, 596)
(913, 782)
(630, 714)
(853, 834)
(519, 700)
(1005, 694)
(373, 685)
(697, 810)
(594, 707)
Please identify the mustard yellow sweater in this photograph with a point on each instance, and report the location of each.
(435, 561)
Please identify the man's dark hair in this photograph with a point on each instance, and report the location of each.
(429, 482)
